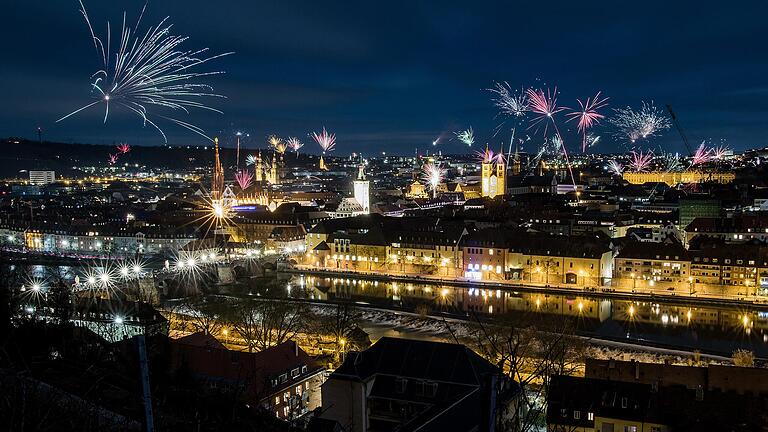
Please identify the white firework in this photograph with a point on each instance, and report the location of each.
(433, 174)
(639, 124)
(509, 102)
(616, 168)
(466, 136)
(149, 71)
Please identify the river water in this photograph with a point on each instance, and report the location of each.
(662, 323)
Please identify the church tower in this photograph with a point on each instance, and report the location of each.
(217, 179)
(493, 174)
(273, 177)
(362, 188)
(259, 168)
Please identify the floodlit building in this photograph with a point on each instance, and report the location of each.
(362, 188)
(42, 177)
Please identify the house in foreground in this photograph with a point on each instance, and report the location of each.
(409, 385)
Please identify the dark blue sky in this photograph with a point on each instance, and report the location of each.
(394, 75)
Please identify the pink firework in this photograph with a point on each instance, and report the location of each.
(123, 148)
(488, 156)
(326, 141)
(294, 144)
(543, 104)
(244, 179)
(702, 155)
(588, 116)
(112, 159)
(640, 161)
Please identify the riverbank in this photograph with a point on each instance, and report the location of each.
(605, 292)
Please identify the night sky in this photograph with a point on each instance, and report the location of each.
(395, 75)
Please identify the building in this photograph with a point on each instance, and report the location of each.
(282, 379)
(410, 385)
(493, 174)
(42, 177)
(217, 178)
(652, 266)
(585, 404)
(738, 229)
(675, 178)
(692, 208)
(362, 188)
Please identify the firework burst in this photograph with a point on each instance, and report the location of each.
(544, 105)
(672, 162)
(149, 71)
(720, 152)
(466, 136)
(640, 161)
(123, 148)
(616, 168)
(326, 140)
(488, 156)
(588, 116)
(508, 102)
(244, 178)
(638, 124)
(294, 144)
(433, 174)
(702, 155)
(112, 159)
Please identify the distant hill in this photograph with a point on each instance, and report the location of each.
(18, 155)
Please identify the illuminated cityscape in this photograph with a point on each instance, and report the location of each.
(368, 234)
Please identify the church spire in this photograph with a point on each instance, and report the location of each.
(217, 180)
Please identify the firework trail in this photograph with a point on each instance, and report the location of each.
(588, 116)
(616, 168)
(433, 174)
(702, 155)
(466, 136)
(147, 72)
(326, 141)
(544, 105)
(124, 148)
(244, 179)
(592, 140)
(294, 144)
(634, 125)
(640, 161)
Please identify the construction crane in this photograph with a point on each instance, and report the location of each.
(680, 130)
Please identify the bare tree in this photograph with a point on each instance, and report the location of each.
(266, 323)
(203, 314)
(531, 353)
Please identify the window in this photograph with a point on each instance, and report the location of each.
(630, 428)
(298, 389)
(277, 400)
(283, 378)
(295, 373)
(624, 402)
(304, 369)
(577, 415)
(563, 412)
(590, 416)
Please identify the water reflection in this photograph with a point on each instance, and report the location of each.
(710, 329)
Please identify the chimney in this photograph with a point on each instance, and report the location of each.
(295, 348)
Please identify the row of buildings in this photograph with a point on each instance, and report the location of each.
(451, 249)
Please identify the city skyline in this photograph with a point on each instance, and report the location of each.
(395, 79)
